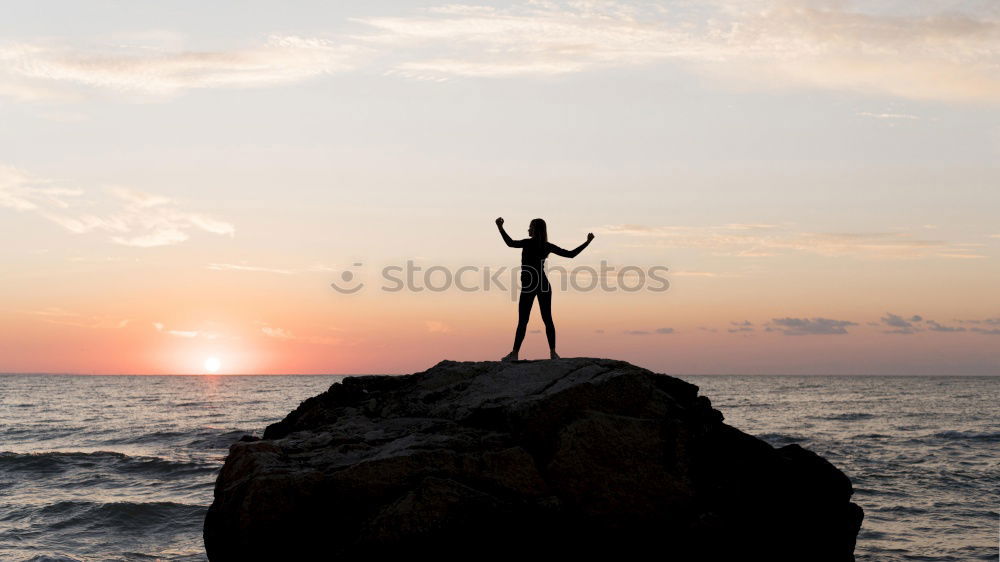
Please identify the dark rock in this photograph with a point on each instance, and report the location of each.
(585, 458)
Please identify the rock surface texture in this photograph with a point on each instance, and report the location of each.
(581, 458)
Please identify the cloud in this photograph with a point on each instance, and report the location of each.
(767, 240)
(130, 217)
(648, 332)
(809, 326)
(22, 192)
(287, 335)
(160, 327)
(758, 43)
(63, 317)
(160, 237)
(901, 325)
(993, 330)
(46, 70)
(762, 43)
(935, 327)
(280, 333)
(744, 326)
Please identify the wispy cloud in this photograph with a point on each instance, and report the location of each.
(41, 70)
(936, 327)
(648, 332)
(993, 326)
(279, 333)
(744, 326)
(160, 327)
(64, 317)
(130, 217)
(762, 43)
(809, 326)
(287, 335)
(767, 43)
(766, 240)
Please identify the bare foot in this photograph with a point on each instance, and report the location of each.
(512, 356)
(553, 354)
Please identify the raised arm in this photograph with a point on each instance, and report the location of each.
(506, 238)
(571, 253)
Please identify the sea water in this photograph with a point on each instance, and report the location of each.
(122, 467)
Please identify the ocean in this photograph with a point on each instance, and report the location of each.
(122, 467)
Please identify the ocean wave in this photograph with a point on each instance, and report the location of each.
(901, 509)
(56, 462)
(218, 440)
(120, 516)
(197, 439)
(145, 438)
(782, 438)
(847, 416)
(967, 435)
(42, 431)
(877, 492)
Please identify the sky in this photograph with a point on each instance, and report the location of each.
(185, 185)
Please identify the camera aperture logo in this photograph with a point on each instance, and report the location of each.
(473, 278)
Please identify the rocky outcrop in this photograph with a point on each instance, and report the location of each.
(586, 458)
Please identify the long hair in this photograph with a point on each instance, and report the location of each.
(541, 236)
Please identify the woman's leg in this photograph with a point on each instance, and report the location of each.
(545, 306)
(523, 312)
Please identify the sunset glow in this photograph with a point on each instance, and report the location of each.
(212, 364)
(181, 194)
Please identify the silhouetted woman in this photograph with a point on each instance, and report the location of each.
(534, 283)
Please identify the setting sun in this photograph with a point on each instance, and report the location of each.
(212, 364)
